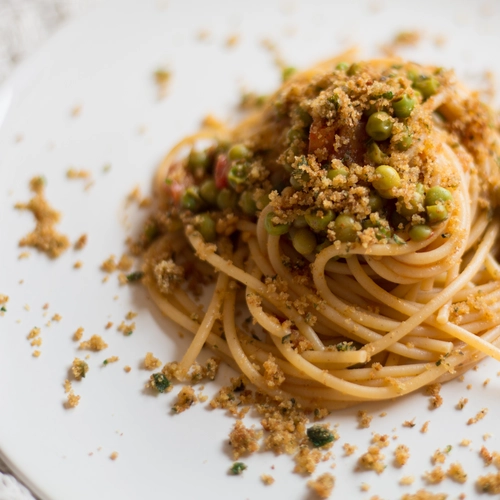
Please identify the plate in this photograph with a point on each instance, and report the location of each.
(87, 100)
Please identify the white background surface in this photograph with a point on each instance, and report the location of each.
(105, 63)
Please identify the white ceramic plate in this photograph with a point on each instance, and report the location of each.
(104, 63)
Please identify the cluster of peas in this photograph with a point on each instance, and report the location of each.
(308, 232)
(208, 196)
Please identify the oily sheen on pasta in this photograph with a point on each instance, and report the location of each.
(350, 226)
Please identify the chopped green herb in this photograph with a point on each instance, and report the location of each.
(160, 382)
(3, 309)
(286, 338)
(106, 168)
(168, 182)
(105, 362)
(288, 72)
(319, 435)
(135, 276)
(237, 468)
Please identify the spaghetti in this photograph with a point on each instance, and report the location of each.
(353, 216)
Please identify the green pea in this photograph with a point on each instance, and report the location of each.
(237, 176)
(304, 241)
(376, 155)
(209, 192)
(198, 160)
(227, 198)
(426, 85)
(420, 232)
(247, 203)
(436, 213)
(413, 75)
(405, 142)
(386, 178)
(342, 66)
(353, 69)
(191, 199)
(345, 228)
(238, 152)
(300, 222)
(275, 229)
(419, 188)
(206, 226)
(288, 73)
(336, 172)
(299, 178)
(415, 203)
(319, 222)
(263, 201)
(379, 126)
(403, 106)
(437, 194)
(375, 202)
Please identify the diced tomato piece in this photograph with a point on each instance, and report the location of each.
(321, 137)
(174, 191)
(355, 149)
(221, 171)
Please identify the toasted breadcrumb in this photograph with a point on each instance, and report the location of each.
(78, 334)
(150, 362)
(23, 255)
(36, 342)
(364, 487)
(424, 495)
(364, 419)
(125, 263)
(95, 343)
(436, 399)
(244, 440)
(401, 455)
(78, 264)
(479, 416)
(306, 460)
(465, 442)
(185, 399)
(108, 325)
(3, 299)
(267, 479)
(409, 423)
(349, 449)
(489, 483)
(462, 402)
(67, 386)
(439, 456)
(380, 440)
(34, 332)
(44, 237)
(81, 242)
(109, 265)
(72, 401)
(126, 329)
(425, 427)
(434, 476)
(162, 79)
(372, 460)
(407, 480)
(73, 173)
(322, 485)
(114, 455)
(456, 473)
(36, 353)
(273, 374)
(76, 110)
(127, 368)
(79, 368)
(56, 317)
